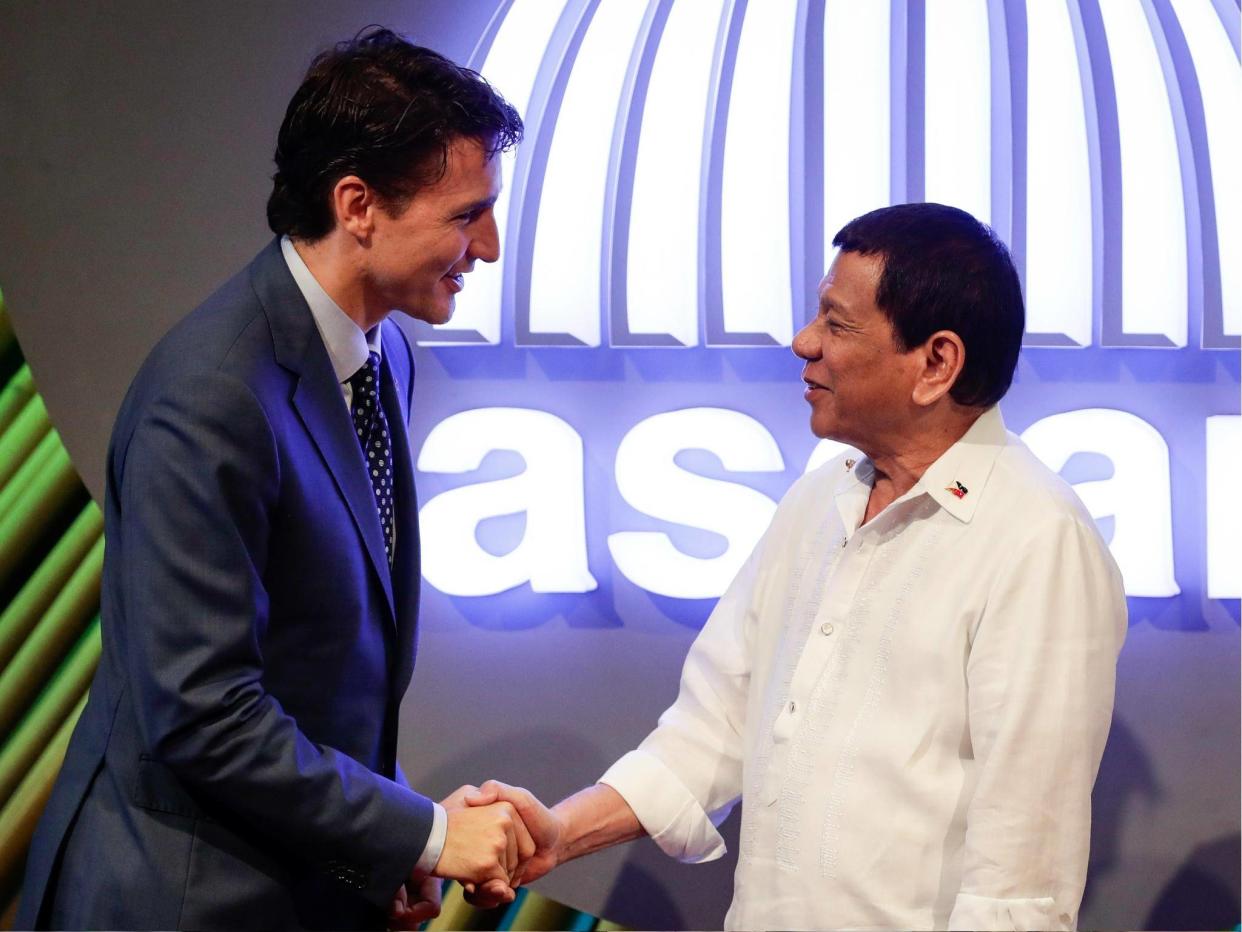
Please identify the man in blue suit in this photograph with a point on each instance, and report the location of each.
(236, 766)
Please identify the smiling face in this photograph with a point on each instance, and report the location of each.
(416, 257)
(858, 382)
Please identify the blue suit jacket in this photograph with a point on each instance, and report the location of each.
(235, 766)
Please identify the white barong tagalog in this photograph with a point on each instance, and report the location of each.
(912, 711)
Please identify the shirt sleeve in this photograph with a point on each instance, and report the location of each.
(686, 776)
(430, 857)
(1040, 680)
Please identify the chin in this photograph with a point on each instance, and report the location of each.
(827, 430)
(434, 314)
(821, 426)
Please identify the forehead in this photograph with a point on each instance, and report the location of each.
(851, 281)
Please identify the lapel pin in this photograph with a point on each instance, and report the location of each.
(956, 489)
(849, 464)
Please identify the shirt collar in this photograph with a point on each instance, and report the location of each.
(956, 480)
(852, 489)
(963, 468)
(348, 347)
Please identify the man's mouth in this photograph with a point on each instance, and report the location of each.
(457, 282)
(811, 385)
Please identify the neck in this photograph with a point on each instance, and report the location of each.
(900, 465)
(334, 264)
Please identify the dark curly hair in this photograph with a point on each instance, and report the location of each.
(944, 270)
(381, 108)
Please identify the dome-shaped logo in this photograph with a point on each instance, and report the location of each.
(688, 161)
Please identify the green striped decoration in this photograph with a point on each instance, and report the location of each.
(51, 557)
(51, 562)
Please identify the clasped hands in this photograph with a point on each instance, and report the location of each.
(498, 837)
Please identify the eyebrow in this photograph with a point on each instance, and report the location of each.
(473, 206)
(484, 202)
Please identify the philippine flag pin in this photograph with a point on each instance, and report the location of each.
(957, 489)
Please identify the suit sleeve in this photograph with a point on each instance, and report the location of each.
(199, 482)
(1040, 679)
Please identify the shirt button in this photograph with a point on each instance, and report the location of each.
(826, 628)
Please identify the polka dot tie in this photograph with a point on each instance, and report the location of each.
(372, 429)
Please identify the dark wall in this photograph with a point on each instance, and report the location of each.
(136, 155)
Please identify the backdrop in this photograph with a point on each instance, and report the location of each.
(606, 425)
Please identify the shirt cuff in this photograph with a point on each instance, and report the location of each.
(430, 857)
(988, 912)
(666, 809)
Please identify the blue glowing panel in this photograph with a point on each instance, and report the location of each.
(957, 157)
(1224, 529)
(662, 302)
(567, 260)
(1220, 86)
(1059, 258)
(526, 24)
(857, 119)
(756, 290)
(1153, 210)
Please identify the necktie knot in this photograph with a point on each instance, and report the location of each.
(365, 386)
(368, 372)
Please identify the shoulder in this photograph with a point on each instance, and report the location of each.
(226, 330)
(211, 411)
(1030, 514)
(213, 364)
(1023, 487)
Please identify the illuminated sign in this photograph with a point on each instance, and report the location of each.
(678, 191)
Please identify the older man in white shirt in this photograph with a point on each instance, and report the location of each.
(910, 683)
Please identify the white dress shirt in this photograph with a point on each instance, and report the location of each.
(913, 711)
(349, 347)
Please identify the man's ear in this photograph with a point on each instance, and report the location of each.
(943, 356)
(354, 203)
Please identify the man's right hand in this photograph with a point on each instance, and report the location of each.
(545, 828)
(484, 843)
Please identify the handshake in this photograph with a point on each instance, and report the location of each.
(498, 837)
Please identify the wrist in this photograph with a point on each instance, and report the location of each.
(567, 833)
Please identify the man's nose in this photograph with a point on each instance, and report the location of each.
(805, 343)
(486, 243)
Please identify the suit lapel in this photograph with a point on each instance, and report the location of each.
(319, 403)
(323, 412)
(406, 564)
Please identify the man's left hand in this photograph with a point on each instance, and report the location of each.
(408, 911)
